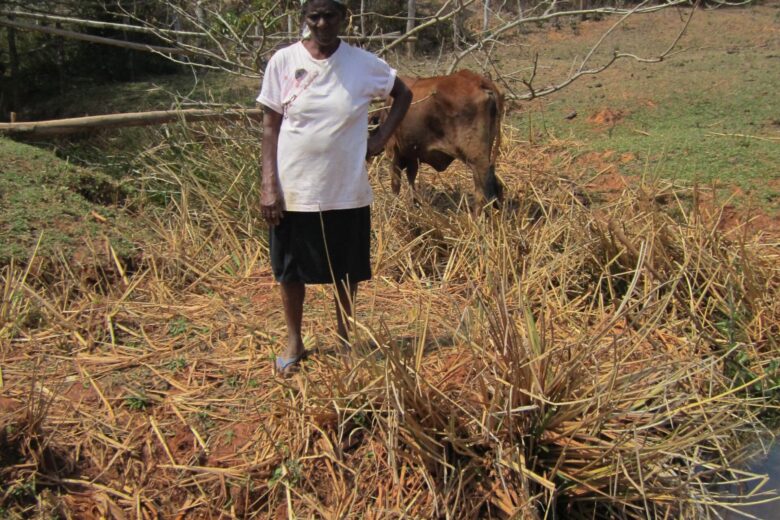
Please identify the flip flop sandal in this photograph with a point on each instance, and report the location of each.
(285, 365)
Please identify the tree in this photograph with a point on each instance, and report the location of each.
(237, 36)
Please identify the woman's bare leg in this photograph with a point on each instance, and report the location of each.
(293, 294)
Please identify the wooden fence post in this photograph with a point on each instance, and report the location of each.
(13, 58)
(411, 12)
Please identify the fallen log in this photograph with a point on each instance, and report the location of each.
(90, 123)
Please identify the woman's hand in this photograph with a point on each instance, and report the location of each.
(271, 202)
(376, 143)
(402, 99)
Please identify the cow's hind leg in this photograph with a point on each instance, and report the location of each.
(411, 167)
(395, 176)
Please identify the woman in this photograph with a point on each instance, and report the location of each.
(315, 190)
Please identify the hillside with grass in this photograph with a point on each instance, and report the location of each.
(605, 345)
(708, 114)
(53, 210)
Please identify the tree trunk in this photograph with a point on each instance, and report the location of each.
(59, 42)
(362, 17)
(456, 28)
(200, 15)
(411, 13)
(130, 54)
(177, 26)
(520, 16)
(13, 83)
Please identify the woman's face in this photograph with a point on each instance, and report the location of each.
(324, 19)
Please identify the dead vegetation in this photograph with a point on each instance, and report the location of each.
(569, 356)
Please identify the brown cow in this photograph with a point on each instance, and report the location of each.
(451, 117)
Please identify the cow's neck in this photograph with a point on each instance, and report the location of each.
(321, 52)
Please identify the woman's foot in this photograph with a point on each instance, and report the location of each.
(285, 365)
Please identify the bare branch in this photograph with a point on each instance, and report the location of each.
(530, 82)
(615, 57)
(608, 32)
(207, 38)
(437, 18)
(495, 33)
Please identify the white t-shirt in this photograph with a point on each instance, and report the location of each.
(322, 141)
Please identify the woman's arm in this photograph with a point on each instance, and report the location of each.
(402, 98)
(271, 200)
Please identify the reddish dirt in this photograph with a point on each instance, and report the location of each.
(9, 406)
(733, 221)
(611, 183)
(734, 218)
(718, 213)
(264, 281)
(607, 117)
(181, 443)
(231, 442)
(79, 394)
(281, 513)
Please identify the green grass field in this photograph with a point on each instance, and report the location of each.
(709, 113)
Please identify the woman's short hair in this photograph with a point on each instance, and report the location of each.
(340, 5)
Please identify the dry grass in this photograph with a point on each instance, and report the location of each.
(570, 356)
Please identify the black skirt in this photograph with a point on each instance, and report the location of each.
(322, 247)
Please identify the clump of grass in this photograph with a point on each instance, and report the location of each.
(559, 356)
(33, 460)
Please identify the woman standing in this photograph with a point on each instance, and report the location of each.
(315, 190)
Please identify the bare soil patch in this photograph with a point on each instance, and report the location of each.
(713, 202)
(607, 117)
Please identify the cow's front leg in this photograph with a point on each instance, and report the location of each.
(411, 173)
